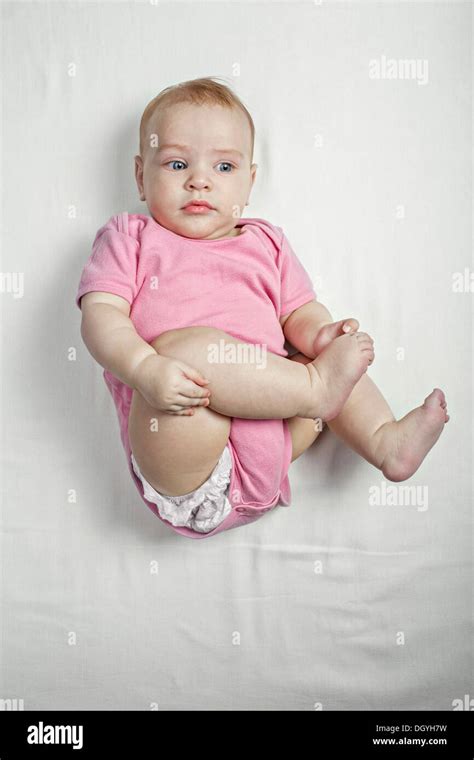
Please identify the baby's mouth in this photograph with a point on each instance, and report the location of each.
(197, 208)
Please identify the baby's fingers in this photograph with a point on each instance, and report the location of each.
(185, 405)
(185, 401)
(190, 390)
(182, 413)
(193, 374)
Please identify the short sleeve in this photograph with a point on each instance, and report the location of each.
(112, 265)
(296, 287)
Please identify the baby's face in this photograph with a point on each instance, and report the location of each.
(212, 164)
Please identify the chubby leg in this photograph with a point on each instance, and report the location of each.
(304, 431)
(176, 454)
(396, 447)
(250, 382)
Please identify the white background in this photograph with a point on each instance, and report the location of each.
(242, 620)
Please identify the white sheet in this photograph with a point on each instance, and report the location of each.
(103, 607)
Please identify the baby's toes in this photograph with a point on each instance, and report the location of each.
(435, 399)
(365, 342)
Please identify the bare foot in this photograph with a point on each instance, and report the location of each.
(333, 330)
(405, 443)
(334, 373)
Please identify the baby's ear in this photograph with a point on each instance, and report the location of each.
(253, 171)
(138, 165)
(139, 176)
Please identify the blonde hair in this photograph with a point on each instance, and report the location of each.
(204, 91)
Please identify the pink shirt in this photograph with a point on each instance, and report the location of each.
(241, 285)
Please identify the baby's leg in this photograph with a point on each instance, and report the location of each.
(250, 383)
(397, 448)
(303, 430)
(176, 454)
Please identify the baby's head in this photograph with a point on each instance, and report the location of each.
(196, 143)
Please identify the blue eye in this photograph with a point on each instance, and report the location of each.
(222, 163)
(175, 161)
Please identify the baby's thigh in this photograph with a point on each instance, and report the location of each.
(176, 453)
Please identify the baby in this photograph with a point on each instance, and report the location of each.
(177, 304)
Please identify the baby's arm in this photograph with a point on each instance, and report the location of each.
(166, 384)
(110, 335)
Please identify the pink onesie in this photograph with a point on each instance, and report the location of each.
(241, 285)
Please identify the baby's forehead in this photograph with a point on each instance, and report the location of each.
(202, 127)
(219, 122)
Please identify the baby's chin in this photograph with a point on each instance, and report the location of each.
(200, 226)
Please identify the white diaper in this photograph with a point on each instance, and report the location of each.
(201, 510)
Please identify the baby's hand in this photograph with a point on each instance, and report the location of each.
(332, 330)
(170, 385)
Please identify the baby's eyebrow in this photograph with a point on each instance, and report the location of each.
(214, 150)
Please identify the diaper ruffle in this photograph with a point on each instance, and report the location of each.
(201, 510)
